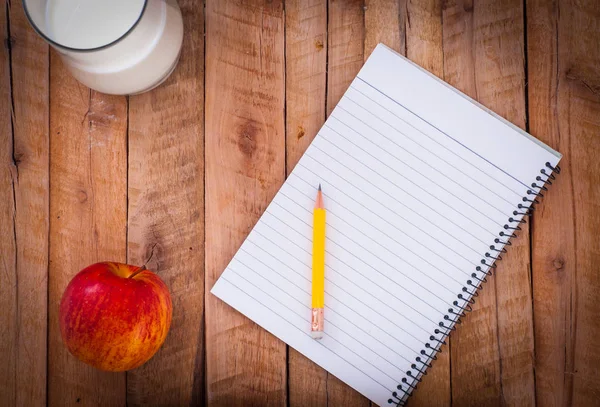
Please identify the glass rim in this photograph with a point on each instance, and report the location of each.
(61, 46)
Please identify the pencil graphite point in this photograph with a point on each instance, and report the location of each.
(319, 187)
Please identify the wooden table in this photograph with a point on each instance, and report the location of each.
(178, 176)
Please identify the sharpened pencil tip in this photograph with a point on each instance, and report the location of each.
(319, 201)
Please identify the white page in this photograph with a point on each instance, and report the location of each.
(418, 183)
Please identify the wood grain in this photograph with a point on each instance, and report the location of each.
(166, 219)
(484, 56)
(30, 92)
(245, 166)
(88, 207)
(423, 34)
(564, 110)
(382, 24)
(306, 84)
(8, 240)
(306, 71)
(421, 29)
(474, 348)
(345, 41)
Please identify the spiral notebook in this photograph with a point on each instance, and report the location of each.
(424, 188)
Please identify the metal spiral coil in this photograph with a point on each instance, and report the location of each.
(471, 289)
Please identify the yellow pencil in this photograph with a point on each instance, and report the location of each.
(318, 268)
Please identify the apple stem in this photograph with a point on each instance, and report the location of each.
(138, 271)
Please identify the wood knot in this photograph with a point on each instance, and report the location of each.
(82, 196)
(247, 134)
(319, 45)
(152, 256)
(558, 264)
(9, 43)
(18, 158)
(300, 132)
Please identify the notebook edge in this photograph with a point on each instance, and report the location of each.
(514, 127)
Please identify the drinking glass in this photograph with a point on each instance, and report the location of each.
(120, 47)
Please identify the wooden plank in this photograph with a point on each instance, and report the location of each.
(345, 42)
(382, 24)
(306, 84)
(564, 110)
(306, 70)
(475, 370)
(245, 166)
(421, 29)
(414, 29)
(345, 46)
(88, 207)
(553, 263)
(502, 89)
(30, 92)
(474, 347)
(166, 219)
(483, 50)
(8, 243)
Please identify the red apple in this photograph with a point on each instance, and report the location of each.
(115, 316)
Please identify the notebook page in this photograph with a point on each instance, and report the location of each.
(418, 183)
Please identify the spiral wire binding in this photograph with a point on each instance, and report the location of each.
(471, 288)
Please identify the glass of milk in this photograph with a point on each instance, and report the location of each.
(119, 47)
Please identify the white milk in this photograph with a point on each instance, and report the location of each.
(141, 60)
(86, 24)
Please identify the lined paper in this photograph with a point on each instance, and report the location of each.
(419, 182)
